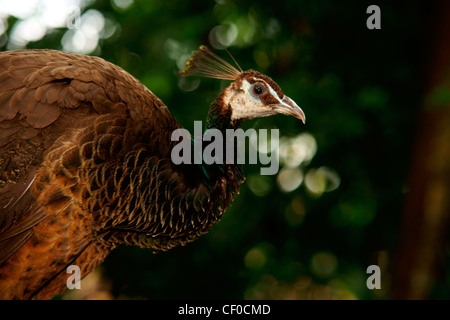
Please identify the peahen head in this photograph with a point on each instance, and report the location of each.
(250, 95)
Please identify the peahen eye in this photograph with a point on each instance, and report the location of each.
(258, 89)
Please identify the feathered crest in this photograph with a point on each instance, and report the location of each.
(205, 63)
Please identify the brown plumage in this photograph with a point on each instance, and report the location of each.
(85, 166)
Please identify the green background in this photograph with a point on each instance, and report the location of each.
(361, 91)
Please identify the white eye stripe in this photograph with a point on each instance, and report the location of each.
(271, 90)
(274, 93)
(246, 86)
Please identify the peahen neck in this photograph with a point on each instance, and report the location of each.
(219, 115)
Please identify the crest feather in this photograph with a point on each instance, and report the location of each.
(205, 63)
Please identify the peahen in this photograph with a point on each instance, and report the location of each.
(85, 163)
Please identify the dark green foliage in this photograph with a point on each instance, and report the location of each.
(360, 91)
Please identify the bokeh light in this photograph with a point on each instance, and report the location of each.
(289, 179)
(297, 150)
(334, 206)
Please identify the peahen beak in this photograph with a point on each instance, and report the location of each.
(289, 107)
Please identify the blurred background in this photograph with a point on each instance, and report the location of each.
(365, 182)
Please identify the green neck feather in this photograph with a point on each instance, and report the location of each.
(219, 117)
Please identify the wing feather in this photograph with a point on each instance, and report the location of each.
(43, 95)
